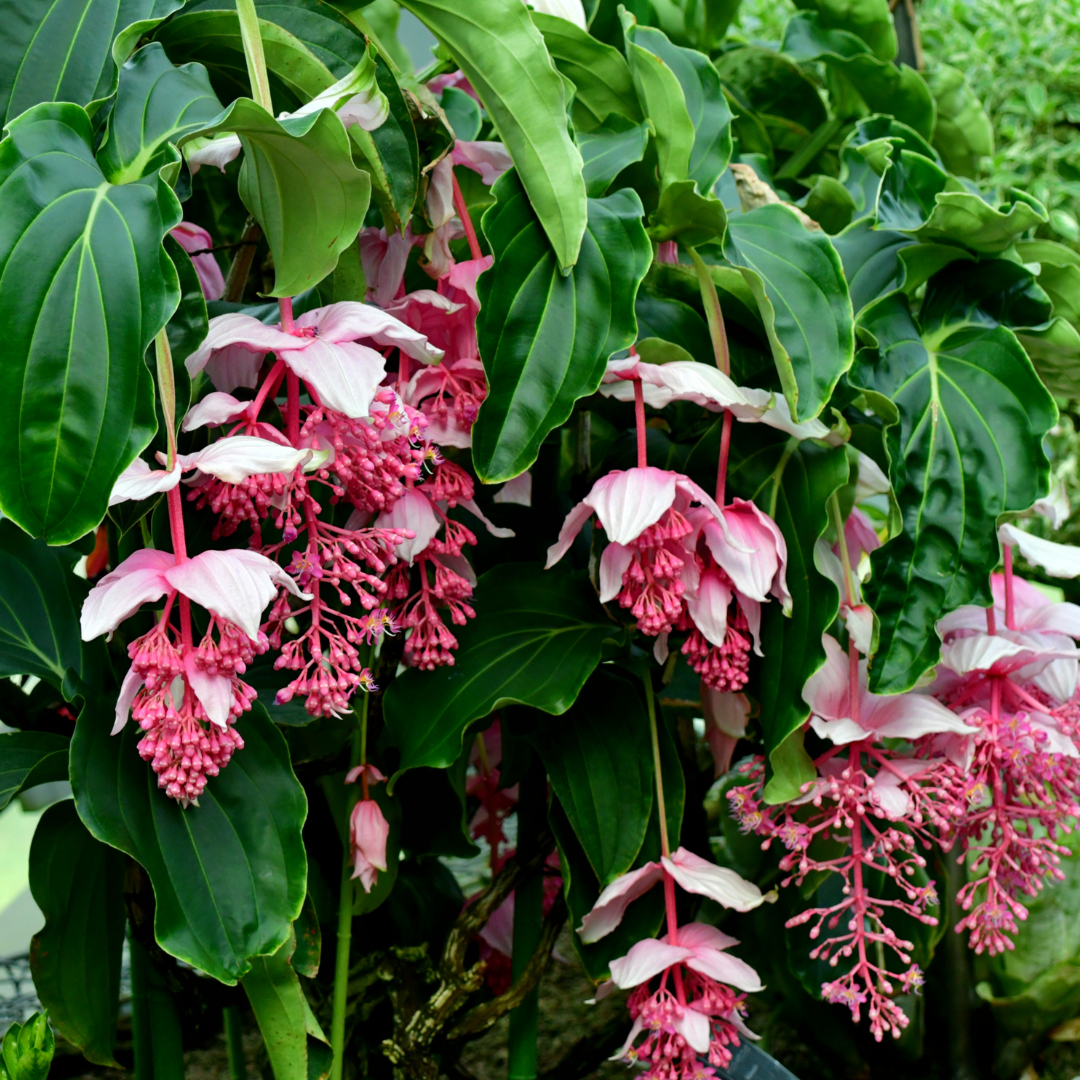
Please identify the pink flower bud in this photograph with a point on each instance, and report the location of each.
(368, 830)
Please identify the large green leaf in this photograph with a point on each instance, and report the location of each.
(503, 54)
(28, 758)
(598, 758)
(536, 638)
(78, 883)
(40, 599)
(300, 184)
(156, 103)
(1055, 352)
(608, 149)
(798, 281)
(61, 50)
(86, 285)
(871, 260)
(963, 135)
(967, 448)
(544, 336)
(598, 72)
(295, 1043)
(884, 86)
(704, 101)
(230, 874)
(870, 20)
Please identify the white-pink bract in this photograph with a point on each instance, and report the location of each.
(368, 833)
(196, 241)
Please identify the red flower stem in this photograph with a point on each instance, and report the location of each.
(466, 221)
(403, 371)
(269, 388)
(1010, 621)
(725, 449)
(639, 419)
(285, 307)
(991, 621)
(292, 419)
(853, 681)
(859, 893)
(179, 543)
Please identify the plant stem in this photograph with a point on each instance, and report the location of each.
(713, 313)
(815, 143)
(722, 464)
(1010, 618)
(253, 53)
(521, 1049)
(240, 267)
(166, 378)
(142, 1043)
(841, 539)
(234, 1043)
(466, 221)
(958, 989)
(639, 419)
(163, 1038)
(661, 806)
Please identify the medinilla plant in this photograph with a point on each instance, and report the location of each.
(401, 463)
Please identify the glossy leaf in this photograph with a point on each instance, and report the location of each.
(536, 638)
(64, 52)
(683, 213)
(1055, 352)
(503, 54)
(545, 337)
(156, 104)
(78, 883)
(963, 135)
(968, 447)
(830, 204)
(300, 184)
(797, 279)
(28, 758)
(86, 285)
(608, 149)
(229, 875)
(598, 758)
(966, 218)
(871, 259)
(992, 292)
(704, 101)
(599, 73)
(870, 20)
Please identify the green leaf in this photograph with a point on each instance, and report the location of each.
(992, 292)
(230, 874)
(598, 758)
(62, 52)
(909, 190)
(156, 104)
(1055, 352)
(969, 220)
(299, 182)
(1058, 274)
(884, 86)
(870, 20)
(290, 1031)
(963, 135)
(27, 1049)
(545, 337)
(87, 286)
(599, 73)
(968, 447)
(188, 326)
(871, 259)
(608, 149)
(830, 204)
(704, 101)
(79, 885)
(798, 281)
(502, 53)
(662, 101)
(684, 213)
(40, 598)
(536, 638)
(28, 758)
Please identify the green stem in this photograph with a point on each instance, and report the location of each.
(841, 539)
(253, 53)
(815, 143)
(661, 806)
(713, 313)
(234, 1042)
(521, 1045)
(159, 1047)
(141, 1042)
(166, 391)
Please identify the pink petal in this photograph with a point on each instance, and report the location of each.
(571, 10)
(726, 712)
(628, 502)
(859, 622)
(757, 568)
(463, 275)
(498, 931)
(239, 456)
(613, 564)
(1063, 618)
(139, 481)
(983, 652)
(908, 716)
(779, 417)
(489, 159)
(412, 511)
(215, 692)
(568, 533)
(368, 830)
(708, 607)
(722, 748)
(695, 875)
(683, 380)
(635, 1029)
(129, 688)
(350, 320)
(963, 618)
(345, 375)
(518, 490)
(644, 960)
(440, 194)
(384, 261)
(234, 366)
(889, 791)
(1058, 560)
(218, 151)
(695, 1028)
(215, 409)
(236, 585)
(492, 528)
(860, 535)
(660, 648)
(702, 936)
(374, 774)
(138, 579)
(191, 238)
(235, 329)
(726, 969)
(826, 691)
(611, 904)
(1058, 679)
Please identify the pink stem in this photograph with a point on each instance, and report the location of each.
(1010, 621)
(179, 542)
(292, 382)
(991, 621)
(268, 389)
(403, 371)
(285, 307)
(853, 681)
(725, 449)
(639, 417)
(466, 221)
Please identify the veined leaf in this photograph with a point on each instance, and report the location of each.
(78, 883)
(993, 292)
(963, 134)
(300, 184)
(870, 20)
(798, 281)
(156, 103)
(28, 758)
(871, 259)
(536, 638)
(545, 337)
(87, 286)
(968, 447)
(598, 71)
(503, 54)
(64, 51)
(230, 874)
(1055, 352)
(608, 149)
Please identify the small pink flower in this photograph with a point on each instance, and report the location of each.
(368, 832)
(191, 238)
